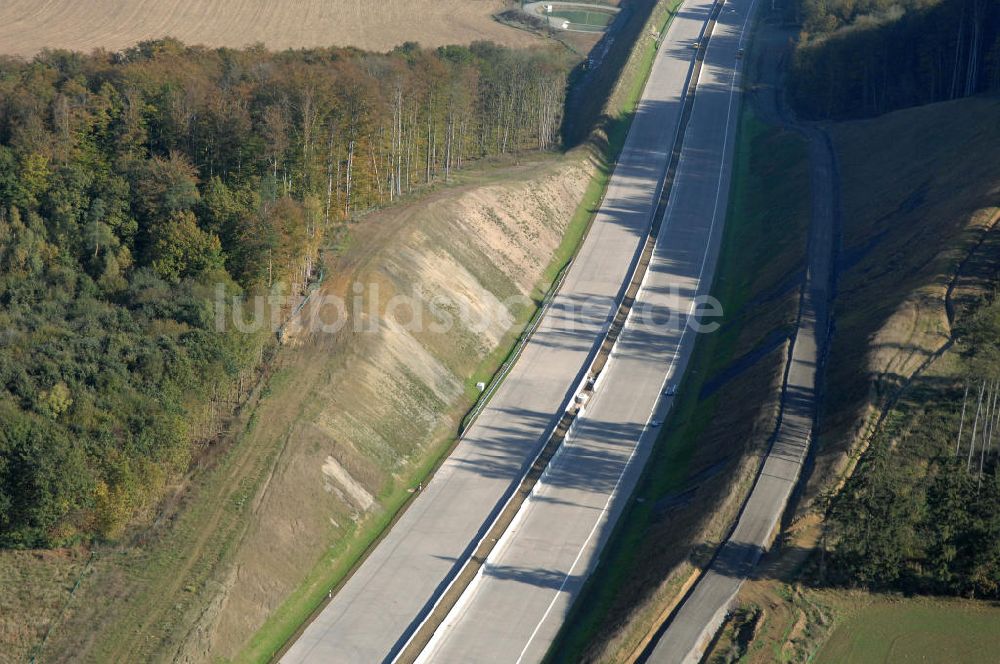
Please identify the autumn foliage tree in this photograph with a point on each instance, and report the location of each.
(135, 185)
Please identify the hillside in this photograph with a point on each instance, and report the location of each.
(929, 522)
(368, 156)
(135, 193)
(27, 27)
(915, 321)
(346, 422)
(918, 187)
(142, 198)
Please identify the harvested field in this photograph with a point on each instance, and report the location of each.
(28, 26)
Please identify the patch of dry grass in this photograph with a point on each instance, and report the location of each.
(37, 585)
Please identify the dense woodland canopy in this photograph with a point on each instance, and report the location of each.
(134, 184)
(867, 57)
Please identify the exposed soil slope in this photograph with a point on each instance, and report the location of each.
(390, 397)
(343, 428)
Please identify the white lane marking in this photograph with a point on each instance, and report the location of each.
(456, 611)
(611, 496)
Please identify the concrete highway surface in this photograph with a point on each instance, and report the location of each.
(691, 630)
(378, 609)
(514, 608)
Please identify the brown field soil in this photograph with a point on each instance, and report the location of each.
(27, 26)
(346, 425)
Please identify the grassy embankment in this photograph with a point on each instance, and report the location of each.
(919, 187)
(340, 559)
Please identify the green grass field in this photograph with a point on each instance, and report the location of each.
(916, 630)
(583, 17)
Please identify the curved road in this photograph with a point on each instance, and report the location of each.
(514, 609)
(371, 618)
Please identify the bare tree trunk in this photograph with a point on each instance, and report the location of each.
(993, 427)
(987, 435)
(399, 141)
(427, 155)
(309, 115)
(329, 178)
(961, 422)
(350, 165)
(337, 186)
(993, 419)
(433, 150)
(972, 68)
(975, 426)
(411, 146)
(463, 128)
(958, 54)
(378, 178)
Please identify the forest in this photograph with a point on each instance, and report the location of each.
(920, 514)
(135, 184)
(860, 58)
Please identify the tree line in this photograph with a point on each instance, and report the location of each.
(859, 58)
(134, 184)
